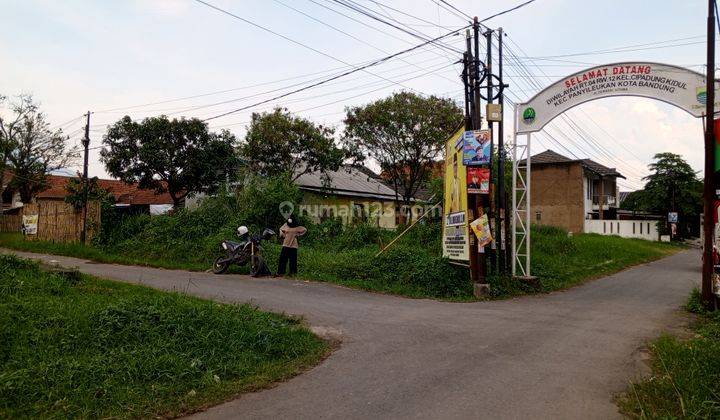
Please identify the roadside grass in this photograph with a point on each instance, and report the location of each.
(82, 347)
(685, 380)
(413, 267)
(73, 249)
(561, 261)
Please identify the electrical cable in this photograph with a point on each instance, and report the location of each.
(365, 12)
(507, 11)
(345, 33)
(574, 126)
(456, 9)
(374, 63)
(332, 57)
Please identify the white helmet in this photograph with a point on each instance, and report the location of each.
(242, 230)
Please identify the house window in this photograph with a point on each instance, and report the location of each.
(359, 212)
(538, 216)
(618, 228)
(641, 228)
(633, 228)
(589, 188)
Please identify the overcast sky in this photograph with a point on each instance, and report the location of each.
(75, 56)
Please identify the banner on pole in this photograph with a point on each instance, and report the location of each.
(481, 228)
(456, 241)
(478, 180)
(477, 147)
(29, 224)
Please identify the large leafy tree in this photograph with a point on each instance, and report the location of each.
(30, 148)
(279, 143)
(79, 192)
(404, 133)
(672, 186)
(178, 156)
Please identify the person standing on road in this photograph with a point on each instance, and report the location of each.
(290, 231)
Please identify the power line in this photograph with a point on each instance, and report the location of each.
(346, 33)
(332, 57)
(366, 12)
(374, 83)
(322, 72)
(508, 10)
(370, 26)
(449, 10)
(412, 30)
(429, 23)
(339, 100)
(628, 48)
(374, 63)
(584, 135)
(456, 9)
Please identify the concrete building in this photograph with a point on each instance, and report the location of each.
(565, 192)
(352, 194)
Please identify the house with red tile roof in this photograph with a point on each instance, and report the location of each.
(126, 195)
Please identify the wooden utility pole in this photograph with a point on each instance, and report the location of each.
(502, 213)
(470, 121)
(84, 183)
(709, 187)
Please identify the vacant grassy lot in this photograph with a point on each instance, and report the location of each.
(414, 267)
(88, 348)
(685, 382)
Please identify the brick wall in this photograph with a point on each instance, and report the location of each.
(557, 193)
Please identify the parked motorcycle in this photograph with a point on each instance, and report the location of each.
(248, 250)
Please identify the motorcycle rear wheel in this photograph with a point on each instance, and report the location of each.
(218, 266)
(256, 265)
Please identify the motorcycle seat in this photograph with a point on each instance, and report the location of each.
(235, 245)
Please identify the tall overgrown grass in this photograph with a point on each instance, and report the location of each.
(81, 347)
(331, 252)
(684, 381)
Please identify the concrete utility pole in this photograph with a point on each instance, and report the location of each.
(84, 183)
(709, 187)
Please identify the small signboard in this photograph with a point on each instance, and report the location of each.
(29, 224)
(455, 237)
(494, 112)
(672, 217)
(478, 180)
(481, 227)
(477, 149)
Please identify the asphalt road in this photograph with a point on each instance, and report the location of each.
(562, 355)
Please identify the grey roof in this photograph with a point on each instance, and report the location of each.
(349, 181)
(550, 157)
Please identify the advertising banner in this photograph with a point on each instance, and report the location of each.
(29, 224)
(481, 227)
(478, 180)
(456, 242)
(477, 148)
(672, 84)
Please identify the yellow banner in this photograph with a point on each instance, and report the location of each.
(455, 224)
